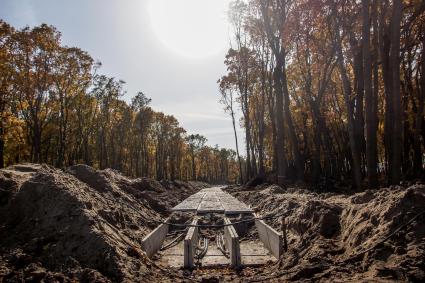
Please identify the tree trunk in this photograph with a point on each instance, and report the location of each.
(371, 115)
(386, 74)
(358, 102)
(299, 164)
(317, 168)
(2, 129)
(36, 143)
(247, 136)
(280, 129)
(261, 169)
(375, 43)
(254, 170)
(279, 56)
(1, 143)
(193, 164)
(237, 145)
(355, 154)
(260, 117)
(272, 117)
(397, 138)
(62, 133)
(417, 161)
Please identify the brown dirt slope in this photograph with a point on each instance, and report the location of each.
(86, 225)
(328, 233)
(79, 225)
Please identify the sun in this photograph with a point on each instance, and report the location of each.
(191, 28)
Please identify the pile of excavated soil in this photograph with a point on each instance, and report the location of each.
(86, 225)
(344, 237)
(80, 224)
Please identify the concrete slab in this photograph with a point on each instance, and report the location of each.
(190, 243)
(173, 256)
(214, 256)
(233, 206)
(153, 241)
(271, 239)
(232, 243)
(213, 200)
(191, 203)
(210, 204)
(211, 190)
(255, 253)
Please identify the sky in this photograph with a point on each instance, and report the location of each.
(172, 50)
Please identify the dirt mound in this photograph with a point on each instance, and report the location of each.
(82, 224)
(366, 224)
(316, 216)
(12, 178)
(346, 237)
(87, 225)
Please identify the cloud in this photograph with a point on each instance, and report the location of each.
(195, 115)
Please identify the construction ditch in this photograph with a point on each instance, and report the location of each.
(80, 224)
(218, 230)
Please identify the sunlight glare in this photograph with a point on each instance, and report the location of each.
(191, 28)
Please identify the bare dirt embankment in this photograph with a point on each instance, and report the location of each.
(86, 225)
(80, 224)
(341, 237)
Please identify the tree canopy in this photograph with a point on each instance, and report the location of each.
(329, 89)
(56, 108)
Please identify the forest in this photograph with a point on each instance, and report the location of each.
(329, 90)
(56, 108)
(320, 105)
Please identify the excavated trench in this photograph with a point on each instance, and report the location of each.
(82, 224)
(212, 228)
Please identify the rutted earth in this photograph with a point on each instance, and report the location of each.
(86, 225)
(81, 224)
(328, 234)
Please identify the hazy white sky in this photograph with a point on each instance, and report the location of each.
(173, 50)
